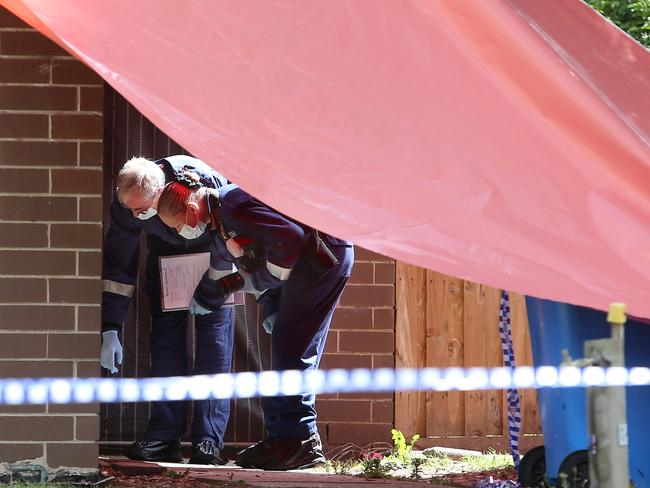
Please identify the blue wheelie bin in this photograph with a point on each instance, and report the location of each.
(555, 326)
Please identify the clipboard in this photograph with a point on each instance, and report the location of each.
(179, 277)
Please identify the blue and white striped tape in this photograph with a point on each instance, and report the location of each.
(508, 350)
(284, 383)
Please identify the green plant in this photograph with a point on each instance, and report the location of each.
(372, 467)
(176, 474)
(416, 467)
(402, 449)
(633, 16)
(337, 467)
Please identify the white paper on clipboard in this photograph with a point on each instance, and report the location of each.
(179, 276)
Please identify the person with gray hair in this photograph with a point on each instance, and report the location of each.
(132, 211)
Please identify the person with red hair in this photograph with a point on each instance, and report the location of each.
(299, 273)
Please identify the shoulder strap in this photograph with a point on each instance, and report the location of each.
(214, 206)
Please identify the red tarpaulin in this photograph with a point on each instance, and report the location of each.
(505, 142)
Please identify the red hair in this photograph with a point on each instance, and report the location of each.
(174, 198)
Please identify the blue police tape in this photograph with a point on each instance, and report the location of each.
(284, 383)
(512, 395)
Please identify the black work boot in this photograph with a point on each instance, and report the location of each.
(281, 454)
(206, 452)
(153, 450)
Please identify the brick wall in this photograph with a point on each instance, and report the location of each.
(50, 240)
(362, 336)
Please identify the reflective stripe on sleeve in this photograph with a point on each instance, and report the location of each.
(277, 271)
(118, 288)
(217, 274)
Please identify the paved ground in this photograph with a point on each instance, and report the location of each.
(134, 473)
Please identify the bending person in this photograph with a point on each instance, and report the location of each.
(133, 211)
(303, 272)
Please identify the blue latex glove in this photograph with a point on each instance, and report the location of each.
(111, 348)
(196, 309)
(269, 322)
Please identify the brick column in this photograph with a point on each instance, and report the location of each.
(362, 336)
(50, 244)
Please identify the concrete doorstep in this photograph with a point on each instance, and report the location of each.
(138, 473)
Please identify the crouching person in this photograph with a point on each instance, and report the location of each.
(302, 274)
(133, 211)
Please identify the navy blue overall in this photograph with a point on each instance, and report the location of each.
(214, 331)
(304, 302)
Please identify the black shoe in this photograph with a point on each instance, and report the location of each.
(206, 452)
(152, 450)
(280, 454)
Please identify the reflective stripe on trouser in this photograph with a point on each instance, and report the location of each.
(299, 334)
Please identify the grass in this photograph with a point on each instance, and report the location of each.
(489, 460)
(417, 465)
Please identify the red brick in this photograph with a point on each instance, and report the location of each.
(385, 273)
(384, 396)
(28, 43)
(91, 209)
(24, 180)
(352, 318)
(76, 181)
(368, 296)
(90, 263)
(73, 408)
(19, 452)
(77, 126)
(361, 254)
(37, 317)
(89, 318)
(22, 409)
(91, 153)
(383, 361)
(76, 235)
(23, 235)
(87, 428)
(383, 412)
(45, 428)
(346, 361)
(331, 344)
(89, 369)
(384, 318)
(7, 19)
(91, 98)
(38, 98)
(38, 262)
(77, 346)
(23, 346)
(362, 273)
(374, 342)
(42, 153)
(72, 455)
(343, 410)
(36, 369)
(24, 70)
(362, 433)
(38, 208)
(64, 290)
(73, 72)
(23, 290)
(24, 125)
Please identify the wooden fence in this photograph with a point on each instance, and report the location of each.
(443, 321)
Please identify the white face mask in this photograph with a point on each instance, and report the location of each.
(148, 214)
(190, 233)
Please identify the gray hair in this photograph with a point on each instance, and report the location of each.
(140, 174)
